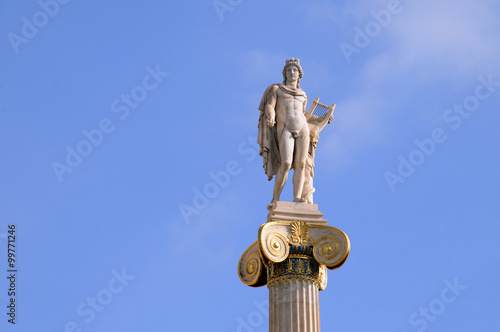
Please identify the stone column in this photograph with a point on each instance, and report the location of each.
(292, 258)
(293, 294)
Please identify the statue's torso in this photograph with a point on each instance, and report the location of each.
(290, 111)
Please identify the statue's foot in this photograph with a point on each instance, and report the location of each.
(271, 205)
(299, 200)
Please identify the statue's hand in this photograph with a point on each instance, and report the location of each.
(271, 122)
(330, 118)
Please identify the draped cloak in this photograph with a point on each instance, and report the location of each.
(267, 137)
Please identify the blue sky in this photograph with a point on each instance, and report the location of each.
(115, 115)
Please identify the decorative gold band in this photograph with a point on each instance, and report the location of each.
(294, 267)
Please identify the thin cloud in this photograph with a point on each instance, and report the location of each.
(360, 124)
(428, 42)
(443, 40)
(461, 34)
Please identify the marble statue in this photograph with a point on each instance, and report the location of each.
(288, 135)
(294, 247)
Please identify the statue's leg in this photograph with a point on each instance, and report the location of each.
(299, 163)
(286, 143)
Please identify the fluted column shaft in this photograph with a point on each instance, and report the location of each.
(294, 306)
(293, 295)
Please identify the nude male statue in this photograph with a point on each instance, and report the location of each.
(283, 131)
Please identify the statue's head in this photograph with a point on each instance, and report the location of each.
(288, 64)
